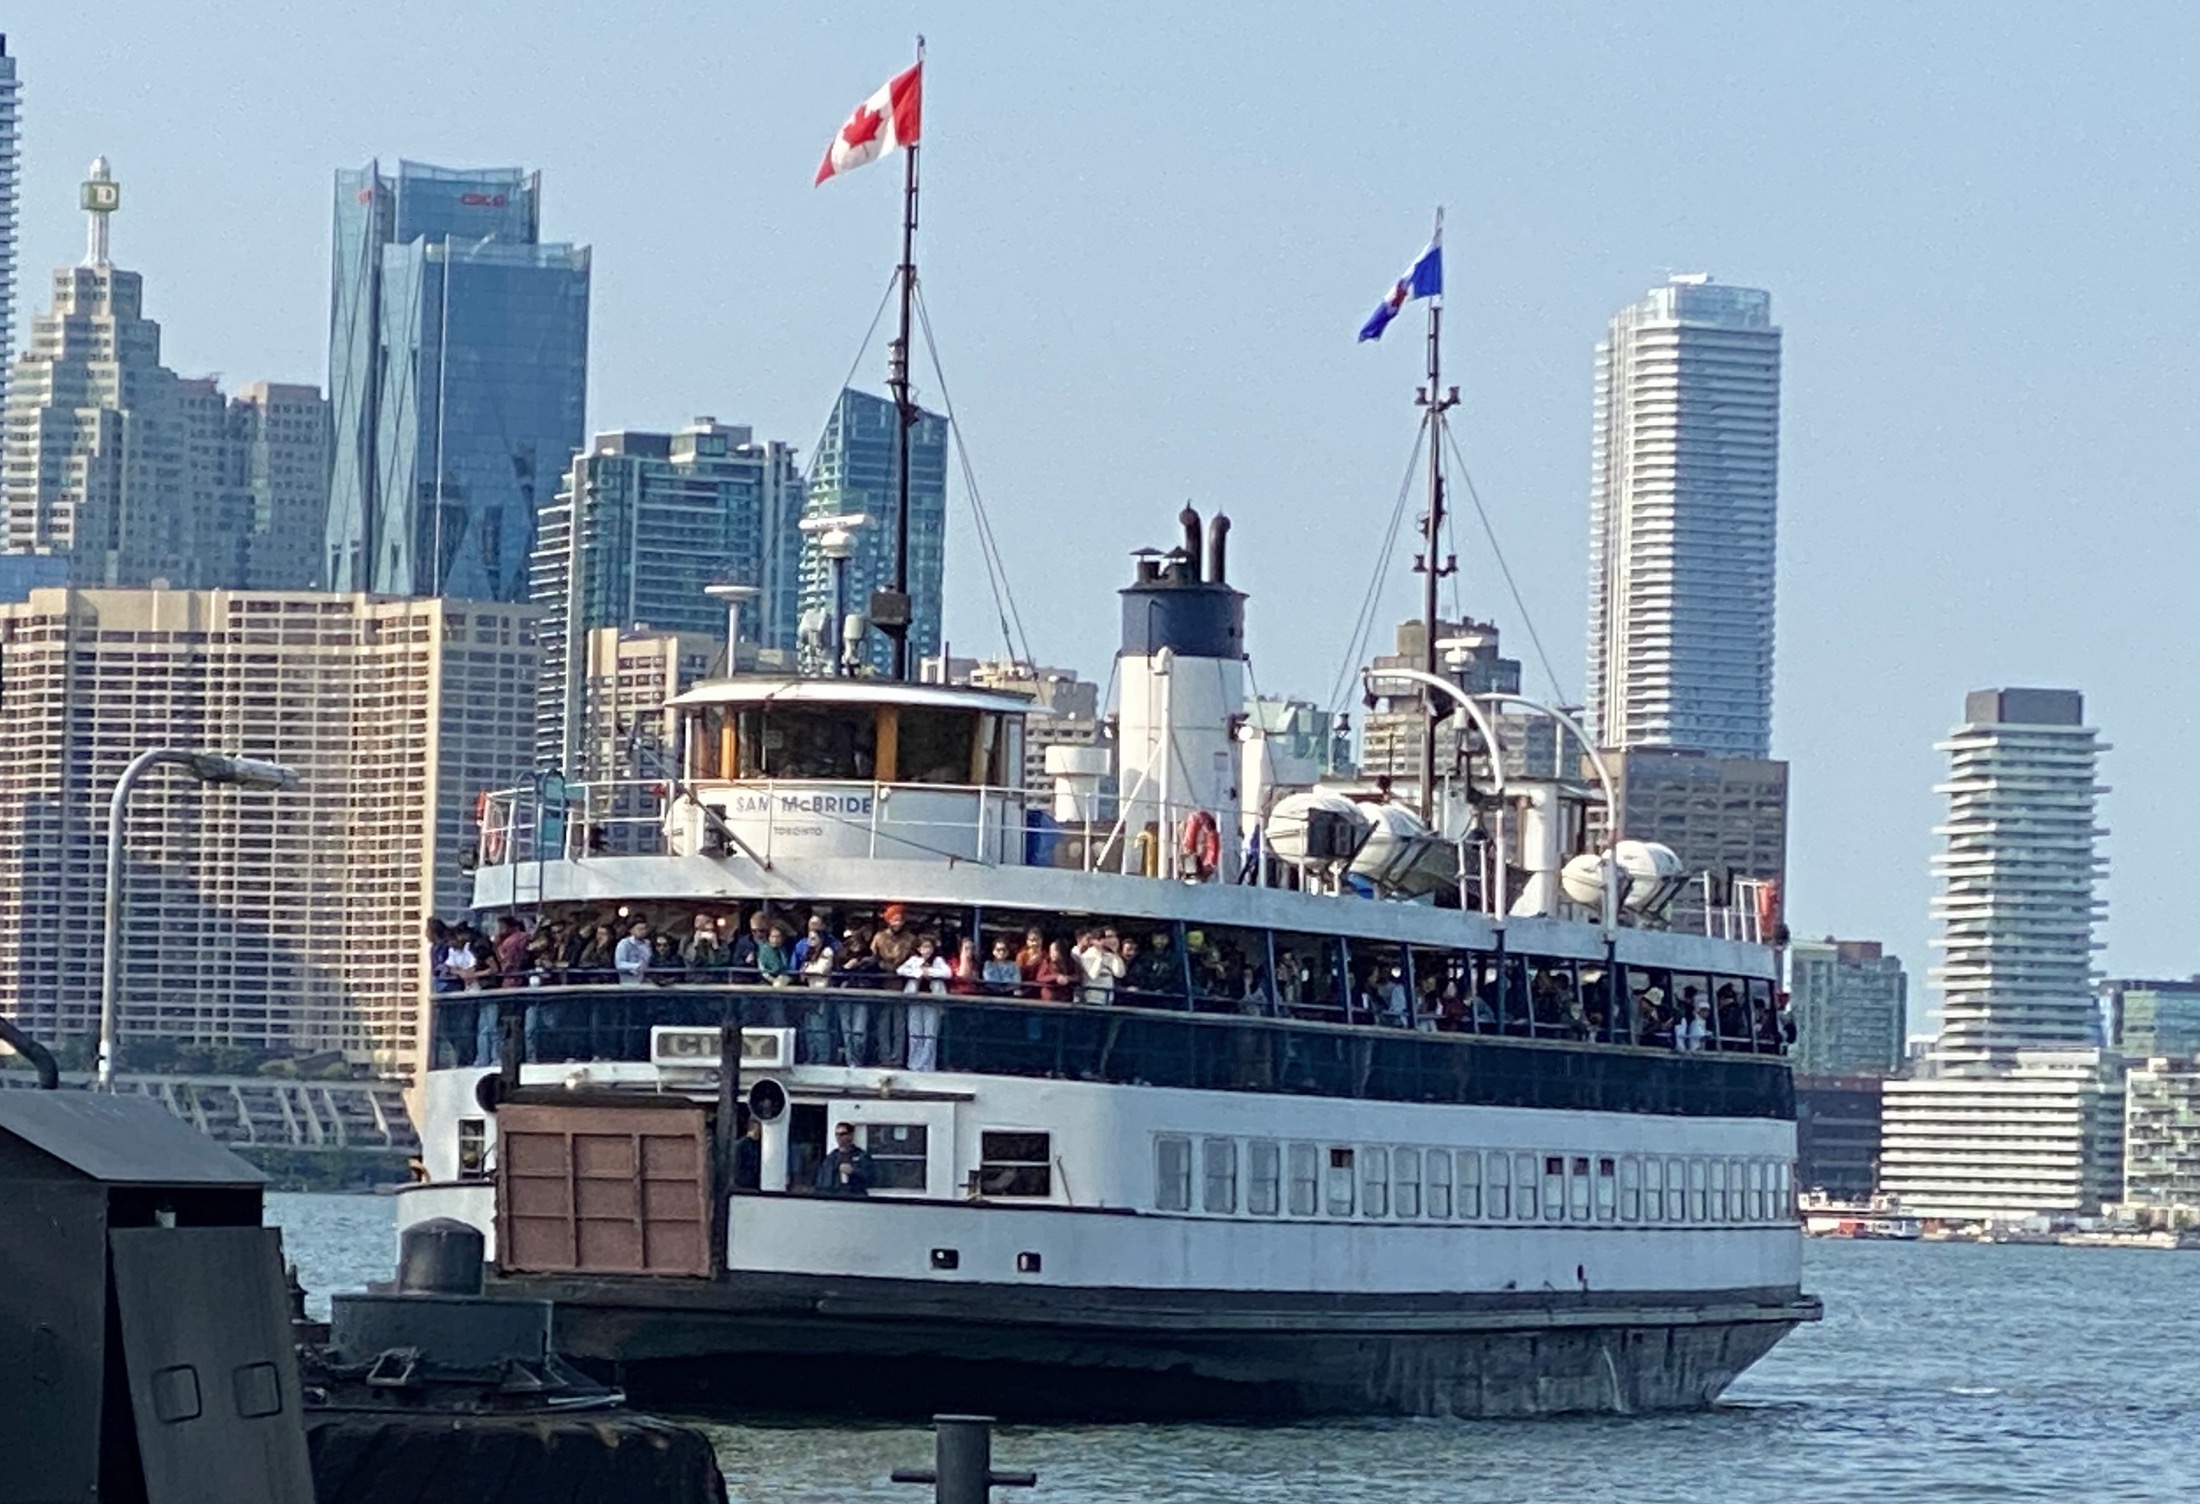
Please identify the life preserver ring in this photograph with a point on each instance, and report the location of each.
(492, 841)
(1201, 846)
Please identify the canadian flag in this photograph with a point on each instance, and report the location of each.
(888, 119)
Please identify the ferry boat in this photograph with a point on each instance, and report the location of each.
(1324, 1108)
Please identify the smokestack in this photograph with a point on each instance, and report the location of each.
(1218, 542)
(1190, 521)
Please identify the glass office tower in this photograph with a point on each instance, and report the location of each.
(854, 472)
(458, 376)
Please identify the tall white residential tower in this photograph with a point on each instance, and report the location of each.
(2016, 904)
(10, 178)
(1683, 485)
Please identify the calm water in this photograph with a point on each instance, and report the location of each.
(1942, 1371)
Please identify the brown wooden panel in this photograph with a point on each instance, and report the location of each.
(614, 1190)
(667, 1158)
(605, 1156)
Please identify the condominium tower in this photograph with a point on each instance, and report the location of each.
(854, 472)
(1683, 484)
(2016, 904)
(10, 194)
(458, 374)
(282, 923)
(1850, 1001)
(662, 517)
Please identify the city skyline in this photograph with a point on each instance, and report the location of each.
(1937, 493)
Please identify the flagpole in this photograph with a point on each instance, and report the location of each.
(1438, 402)
(905, 408)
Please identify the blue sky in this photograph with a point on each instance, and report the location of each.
(1151, 231)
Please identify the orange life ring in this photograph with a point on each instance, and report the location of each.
(1202, 845)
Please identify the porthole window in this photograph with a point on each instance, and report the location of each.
(1439, 1183)
(1263, 1177)
(1405, 1182)
(1172, 1173)
(1305, 1165)
(1375, 1182)
(1218, 1175)
(1339, 1199)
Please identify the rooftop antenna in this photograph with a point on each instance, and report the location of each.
(102, 195)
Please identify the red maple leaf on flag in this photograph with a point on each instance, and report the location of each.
(862, 126)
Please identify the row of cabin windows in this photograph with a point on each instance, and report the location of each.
(1268, 1178)
(1012, 1163)
(855, 744)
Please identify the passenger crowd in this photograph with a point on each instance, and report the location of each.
(1142, 963)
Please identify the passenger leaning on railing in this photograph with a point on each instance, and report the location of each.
(927, 972)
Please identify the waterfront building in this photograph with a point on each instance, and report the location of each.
(662, 516)
(458, 375)
(10, 199)
(2043, 1137)
(855, 472)
(280, 923)
(1837, 1135)
(20, 574)
(2148, 1018)
(2162, 1141)
(1724, 817)
(2017, 871)
(1850, 1004)
(1683, 489)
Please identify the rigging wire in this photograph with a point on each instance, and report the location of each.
(893, 279)
(1364, 623)
(1013, 637)
(1535, 638)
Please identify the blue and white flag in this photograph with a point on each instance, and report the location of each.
(1423, 279)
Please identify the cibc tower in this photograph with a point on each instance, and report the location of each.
(1181, 678)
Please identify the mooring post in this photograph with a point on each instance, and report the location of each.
(962, 1462)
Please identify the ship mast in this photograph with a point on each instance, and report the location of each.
(1437, 402)
(891, 609)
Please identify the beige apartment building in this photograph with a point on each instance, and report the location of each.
(286, 923)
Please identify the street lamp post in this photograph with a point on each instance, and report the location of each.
(206, 767)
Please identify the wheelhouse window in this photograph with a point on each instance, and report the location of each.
(1263, 1177)
(938, 746)
(1218, 1175)
(1015, 1164)
(1439, 1199)
(807, 741)
(1172, 1173)
(898, 1152)
(1305, 1166)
